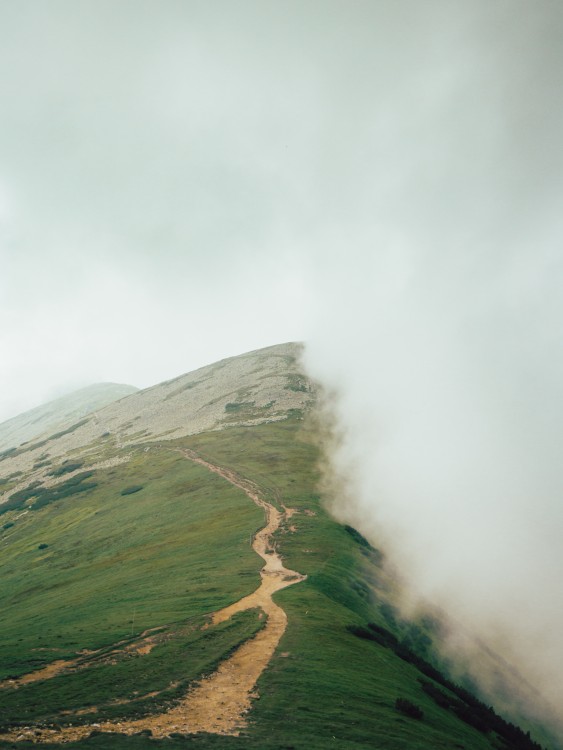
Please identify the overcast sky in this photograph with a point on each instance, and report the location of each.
(180, 181)
(184, 181)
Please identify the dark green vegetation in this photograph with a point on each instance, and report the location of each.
(66, 468)
(461, 702)
(35, 496)
(28, 446)
(297, 383)
(238, 406)
(131, 490)
(68, 430)
(408, 709)
(180, 549)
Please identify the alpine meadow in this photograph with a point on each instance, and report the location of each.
(172, 577)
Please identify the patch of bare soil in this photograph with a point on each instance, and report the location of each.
(46, 673)
(218, 703)
(87, 659)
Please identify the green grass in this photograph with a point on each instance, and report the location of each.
(120, 563)
(179, 549)
(185, 655)
(333, 689)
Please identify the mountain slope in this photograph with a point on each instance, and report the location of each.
(61, 413)
(131, 571)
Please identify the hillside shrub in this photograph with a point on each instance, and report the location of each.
(295, 413)
(45, 495)
(375, 555)
(383, 636)
(409, 709)
(68, 430)
(11, 504)
(361, 632)
(296, 383)
(41, 464)
(131, 490)
(438, 696)
(72, 486)
(8, 525)
(31, 446)
(357, 537)
(43, 546)
(66, 468)
(470, 716)
(27, 446)
(237, 406)
(19, 498)
(465, 706)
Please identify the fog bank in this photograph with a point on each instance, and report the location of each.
(438, 329)
(449, 405)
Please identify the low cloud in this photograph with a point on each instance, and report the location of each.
(451, 419)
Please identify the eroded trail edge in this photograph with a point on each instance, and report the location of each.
(220, 702)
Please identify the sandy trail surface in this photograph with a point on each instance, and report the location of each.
(87, 660)
(217, 703)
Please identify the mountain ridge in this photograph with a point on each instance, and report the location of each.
(123, 540)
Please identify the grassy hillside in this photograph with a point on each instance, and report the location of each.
(160, 542)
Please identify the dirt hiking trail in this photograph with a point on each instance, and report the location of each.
(218, 703)
(88, 659)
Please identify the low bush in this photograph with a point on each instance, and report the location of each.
(439, 697)
(45, 495)
(385, 637)
(357, 537)
(18, 499)
(364, 633)
(68, 430)
(72, 486)
(296, 383)
(237, 406)
(41, 464)
(65, 468)
(465, 706)
(131, 490)
(409, 709)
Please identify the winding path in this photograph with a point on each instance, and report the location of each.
(217, 703)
